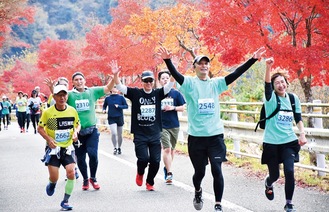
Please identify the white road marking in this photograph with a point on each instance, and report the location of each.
(205, 195)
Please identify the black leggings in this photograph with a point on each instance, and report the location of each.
(204, 149)
(5, 117)
(35, 120)
(288, 168)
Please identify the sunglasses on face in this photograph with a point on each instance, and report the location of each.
(148, 80)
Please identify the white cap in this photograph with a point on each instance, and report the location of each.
(4, 97)
(59, 88)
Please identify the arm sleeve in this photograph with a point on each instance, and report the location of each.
(239, 71)
(268, 91)
(122, 88)
(178, 76)
(168, 87)
(298, 117)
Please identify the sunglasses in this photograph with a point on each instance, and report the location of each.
(147, 80)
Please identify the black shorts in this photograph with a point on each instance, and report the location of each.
(64, 159)
(280, 152)
(204, 149)
(116, 120)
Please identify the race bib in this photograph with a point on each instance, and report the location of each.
(62, 135)
(82, 105)
(167, 101)
(206, 106)
(148, 110)
(285, 118)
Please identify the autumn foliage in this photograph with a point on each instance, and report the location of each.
(295, 33)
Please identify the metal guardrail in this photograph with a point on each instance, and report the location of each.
(318, 139)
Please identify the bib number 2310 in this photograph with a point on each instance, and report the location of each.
(82, 105)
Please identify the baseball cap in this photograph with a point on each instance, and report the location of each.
(59, 88)
(147, 74)
(198, 58)
(4, 97)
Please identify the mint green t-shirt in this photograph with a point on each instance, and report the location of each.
(203, 109)
(84, 103)
(279, 129)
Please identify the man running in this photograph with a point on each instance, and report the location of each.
(59, 126)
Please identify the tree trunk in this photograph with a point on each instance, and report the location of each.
(306, 85)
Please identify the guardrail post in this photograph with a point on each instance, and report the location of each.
(234, 117)
(320, 158)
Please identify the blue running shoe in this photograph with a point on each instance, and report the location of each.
(65, 205)
(50, 189)
(165, 172)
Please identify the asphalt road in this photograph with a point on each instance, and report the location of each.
(24, 178)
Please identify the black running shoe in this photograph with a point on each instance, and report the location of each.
(198, 201)
(269, 193)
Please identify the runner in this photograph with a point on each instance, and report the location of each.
(205, 128)
(281, 144)
(146, 124)
(115, 103)
(83, 99)
(59, 126)
(172, 104)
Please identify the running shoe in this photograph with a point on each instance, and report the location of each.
(169, 178)
(198, 201)
(85, 185)
(115, 151)
(50, 189)
(139, 179)
(289, 207)
(269, 193)
(65, 205)
(149, 187)
(218, 208)
(94, 183)
(119, 151)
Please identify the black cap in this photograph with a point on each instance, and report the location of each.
(147, 74)
(198, 58)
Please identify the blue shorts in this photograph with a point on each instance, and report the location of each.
(116, 120)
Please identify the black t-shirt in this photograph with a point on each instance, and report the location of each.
(145, 111)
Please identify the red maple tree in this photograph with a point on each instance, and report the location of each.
(295, 33)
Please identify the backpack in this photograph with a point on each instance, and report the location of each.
(262, 120)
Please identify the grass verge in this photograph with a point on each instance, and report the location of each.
(305, 178)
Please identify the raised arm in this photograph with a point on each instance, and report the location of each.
(166, 56)
(50, 83)
(268, 87)
(244, 67)
(115, 71)
(109, 86)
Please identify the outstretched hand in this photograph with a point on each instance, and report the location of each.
(259, 52)
(164, 53)
(114, 66)
(49, 82)
(269, 61)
